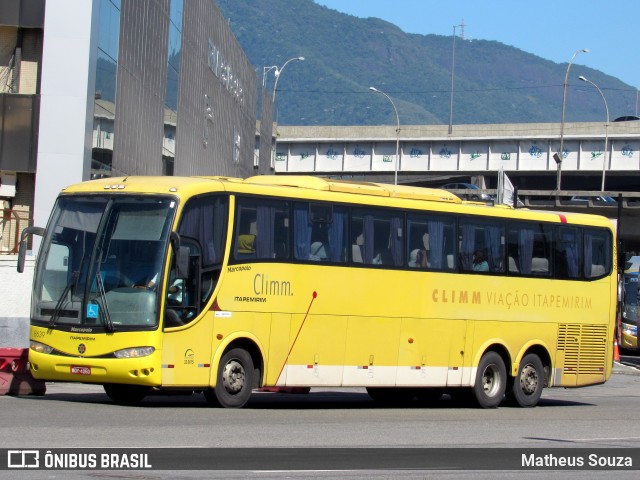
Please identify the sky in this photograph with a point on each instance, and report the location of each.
(553, 30)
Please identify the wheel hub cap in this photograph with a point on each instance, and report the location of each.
(490, 380)
(529, 380)
(233, 376)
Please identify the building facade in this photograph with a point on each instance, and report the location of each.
(21, 26)
(97, 88)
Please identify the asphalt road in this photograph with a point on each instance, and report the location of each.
(76, 415)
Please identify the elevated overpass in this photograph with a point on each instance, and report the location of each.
(430, 156)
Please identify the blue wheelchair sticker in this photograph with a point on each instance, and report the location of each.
(92, 310)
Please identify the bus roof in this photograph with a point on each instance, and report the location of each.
(312, 187)
(362, 188)
(171, 184)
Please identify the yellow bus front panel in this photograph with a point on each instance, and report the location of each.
(89, 358)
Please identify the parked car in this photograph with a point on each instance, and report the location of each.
(598, 199)
(627, 118)
(483, 197)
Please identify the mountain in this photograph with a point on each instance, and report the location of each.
(345, 55)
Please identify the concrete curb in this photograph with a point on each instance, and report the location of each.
(622, 369)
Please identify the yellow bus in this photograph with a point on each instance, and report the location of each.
(627, 330)
(223, 286)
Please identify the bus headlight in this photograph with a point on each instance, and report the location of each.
(630, 329)
(134, 352)
(40, 347)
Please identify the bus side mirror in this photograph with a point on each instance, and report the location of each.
(182, 262)
(22, 249)
(182, 254)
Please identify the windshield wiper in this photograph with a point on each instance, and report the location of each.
(104, 312)
(62, 299)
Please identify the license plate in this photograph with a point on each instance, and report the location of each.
(81, 370)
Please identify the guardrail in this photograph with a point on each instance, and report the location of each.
(563, 198)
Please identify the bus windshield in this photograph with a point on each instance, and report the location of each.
(101, 262)
(629, 313)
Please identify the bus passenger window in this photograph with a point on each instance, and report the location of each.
(319, 232)
(567, 256)
(268, 223)
(529, 248)
(597, 253)
(433, 235)
(378, 237)
(481, 245)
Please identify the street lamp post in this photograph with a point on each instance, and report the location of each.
(559, 156)
(606, 129)
(453, 65)
(266, 70)
(395, 172)
(277, 74)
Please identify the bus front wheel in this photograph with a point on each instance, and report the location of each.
(234, 382)
(528, 384)
(491, 381)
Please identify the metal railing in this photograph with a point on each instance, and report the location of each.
(566, 198)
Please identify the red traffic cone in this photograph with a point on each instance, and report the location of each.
(616, 351)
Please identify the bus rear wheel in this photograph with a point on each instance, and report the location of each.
(234, 382)
(126, 394)
(528, 384)
(491, 381)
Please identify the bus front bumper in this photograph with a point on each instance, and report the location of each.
(133, 371)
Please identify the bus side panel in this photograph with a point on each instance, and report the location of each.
(279, 345)
(371, 357)
(431, 352)
(317, 350)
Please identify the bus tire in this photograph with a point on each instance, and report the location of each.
(235, 380)
(126, 394)
(528, 383)
(491, 381)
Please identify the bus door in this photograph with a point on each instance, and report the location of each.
(187, 319)
(187, 327)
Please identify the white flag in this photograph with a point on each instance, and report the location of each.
(505, 189)
(507, 195)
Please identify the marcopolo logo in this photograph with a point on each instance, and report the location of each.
(23, 459)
